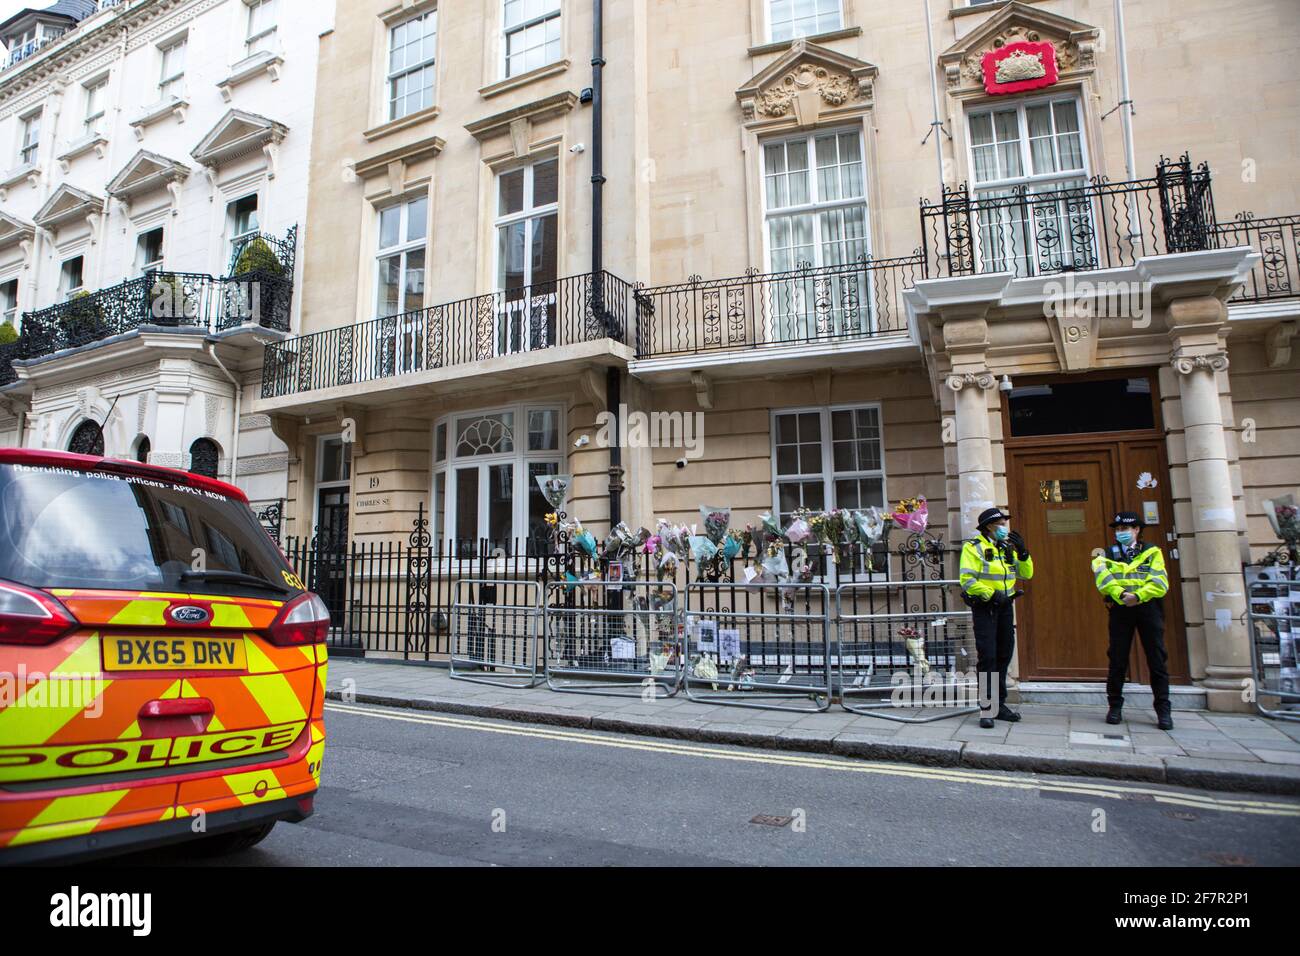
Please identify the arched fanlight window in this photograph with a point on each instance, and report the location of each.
(203, 457)
(142, 450)
(88, 439)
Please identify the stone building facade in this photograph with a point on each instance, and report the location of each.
(1072, 322)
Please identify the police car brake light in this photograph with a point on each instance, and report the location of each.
(28, 616)
(304, 620)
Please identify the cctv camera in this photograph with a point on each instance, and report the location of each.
(577, 148)
(681, 462)
(582, 441)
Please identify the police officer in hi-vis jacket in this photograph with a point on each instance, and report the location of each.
(991, 563)
(1132, 578)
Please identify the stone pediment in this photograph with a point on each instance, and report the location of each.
(68, 203)
(237, 134)
(14, 230)
(1075, 43)
(806, 83)
(146, 172)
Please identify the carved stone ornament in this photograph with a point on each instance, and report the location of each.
(984, 380)
(1187, 364)
(835, 89)
(804, 82)
(1029, 34)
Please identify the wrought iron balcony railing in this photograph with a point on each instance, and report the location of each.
(1277, 240)
(260, 296)
(567, 311)
(1045, 230)
(769, 310)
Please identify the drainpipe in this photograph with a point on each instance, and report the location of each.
(1125, 98)
(936, 125)
(239, 396)
(612, 375)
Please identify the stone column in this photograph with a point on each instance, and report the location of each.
(974, 446)
(1198, 358)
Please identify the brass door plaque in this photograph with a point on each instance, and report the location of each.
(1068, 489)
(1067, 521)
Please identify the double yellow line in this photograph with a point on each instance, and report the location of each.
(1003, 780)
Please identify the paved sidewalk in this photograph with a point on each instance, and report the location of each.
(1207, 750)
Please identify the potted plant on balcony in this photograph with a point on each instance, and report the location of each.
(8, 334)
(170, 302)
(83, 320)
(260, 279)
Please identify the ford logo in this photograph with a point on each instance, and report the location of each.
(189, 614)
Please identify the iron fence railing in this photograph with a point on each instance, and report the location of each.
(1032, 230)
(766, 310)
(163, 299)
(566, 311)
(396, 597)
(1277, 240)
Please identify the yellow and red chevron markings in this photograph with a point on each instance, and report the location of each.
(86, 745)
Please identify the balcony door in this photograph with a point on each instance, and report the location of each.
(815, 211)
(1029, 166)
(524, 317)
(403, 233)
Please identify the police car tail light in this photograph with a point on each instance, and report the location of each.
(304, 620)
(28, 616)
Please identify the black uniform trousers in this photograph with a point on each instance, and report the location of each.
(995, 643)
(1148, 620)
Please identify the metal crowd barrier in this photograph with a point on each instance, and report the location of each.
(904, 655)
(616, 639)
(1273, 616)
(492, 643)
(773, 654)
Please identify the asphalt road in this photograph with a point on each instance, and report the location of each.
(411, 788)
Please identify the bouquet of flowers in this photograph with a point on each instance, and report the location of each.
(799, 530)
(716, 522)
(1284, 517)
(619, 542)
(555, 488)
(735, 543)
(583, 538)
(912, 514)
(703, 550)
(914, 641)
(674, 538)
(870, 524)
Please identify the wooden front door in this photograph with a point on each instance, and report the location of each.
(1063, 496)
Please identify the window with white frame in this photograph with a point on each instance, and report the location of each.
(96, 97)
(788, 19)
(527, 226)
(403, 229)
(333, 489)
(532, 34)
(171, 74)
(1028, 167)
(261, 26)
(241, 218)
(486, 466)
(826, 458)
(30, 140)
(72, 276)
(149, 250)
(403, 234)
(9, 302)
(411, 48)
(815, 214)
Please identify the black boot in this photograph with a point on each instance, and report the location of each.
(986, 723)
(1007, 714)
(1164, 720)
(1116, 714)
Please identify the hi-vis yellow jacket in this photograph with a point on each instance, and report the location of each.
(986, 569)
(1144, 575)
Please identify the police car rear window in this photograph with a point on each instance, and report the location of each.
(65, 528)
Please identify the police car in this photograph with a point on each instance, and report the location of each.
(162, 669)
